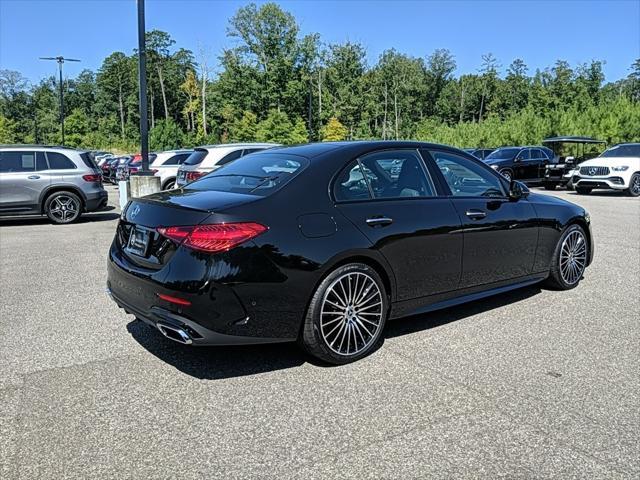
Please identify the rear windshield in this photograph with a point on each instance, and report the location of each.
(196, 157)
(502, 154)
(255, 174)
(623, 151)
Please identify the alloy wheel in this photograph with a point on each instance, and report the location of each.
(351, 314)
(573, 257)
(65, 209)
(635, 185)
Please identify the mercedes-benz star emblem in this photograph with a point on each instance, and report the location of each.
(592, 171)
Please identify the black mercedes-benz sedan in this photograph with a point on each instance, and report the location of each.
(323, 243)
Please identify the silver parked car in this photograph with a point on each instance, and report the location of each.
(58, 182)
(208, 158)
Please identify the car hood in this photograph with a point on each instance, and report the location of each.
(611, 162)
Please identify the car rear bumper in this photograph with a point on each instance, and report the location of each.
(214, 315)
(96, 200)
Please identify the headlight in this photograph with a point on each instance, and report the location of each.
(622, 168)
(495, 167)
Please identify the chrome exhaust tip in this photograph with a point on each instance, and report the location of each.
(174, 333)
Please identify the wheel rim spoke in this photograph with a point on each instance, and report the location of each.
(573, 257)
(351, 313)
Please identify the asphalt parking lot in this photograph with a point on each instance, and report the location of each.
(531, 384)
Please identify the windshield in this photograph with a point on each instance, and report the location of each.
(502, 154)
(629, 150)
(196, 157)
(257, 174)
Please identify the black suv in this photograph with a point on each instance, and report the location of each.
(527, 164)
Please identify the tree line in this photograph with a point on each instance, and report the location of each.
(277, 85)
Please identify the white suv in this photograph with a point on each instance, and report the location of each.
(166, 166)
(618, 168)
(208, 158)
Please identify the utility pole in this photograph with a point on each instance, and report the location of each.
(142, 86)
(61, 61)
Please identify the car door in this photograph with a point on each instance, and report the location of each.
(521, 164)
(23, 177)
(500, 235)
(392, 200)
(539, 162)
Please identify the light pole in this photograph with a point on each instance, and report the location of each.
(142, 86)
(60, 61)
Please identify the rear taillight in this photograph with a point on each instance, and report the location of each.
(192, 176)
(96, 177)
(214, 238)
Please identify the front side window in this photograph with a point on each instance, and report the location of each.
(57, 161)
(466, 178)
(525, 154)
(17, 162)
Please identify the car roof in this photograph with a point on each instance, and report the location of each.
(43, 147)
(237, 145)
(357, 147)
(572, 139)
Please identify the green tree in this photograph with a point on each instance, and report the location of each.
(166, 135)
(278, 128)
(334, 131)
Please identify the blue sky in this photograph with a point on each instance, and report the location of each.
(539, 32)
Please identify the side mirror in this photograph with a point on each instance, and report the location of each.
(517, 190)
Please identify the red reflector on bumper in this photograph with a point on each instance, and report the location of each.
(176, 300)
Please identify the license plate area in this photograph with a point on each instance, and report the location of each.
(139, 241)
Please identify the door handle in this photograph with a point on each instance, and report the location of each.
(33, 177)
(475, 214)
(379, 221)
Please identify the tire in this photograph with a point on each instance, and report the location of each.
(506, 173)
(583, 190)
(562, 275)
(63, 207)
(634, 185)
(338, 316)
(550, 186)
(169, 184)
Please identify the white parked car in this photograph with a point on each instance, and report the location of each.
(208, 158)
(166, 166)
(618, 168)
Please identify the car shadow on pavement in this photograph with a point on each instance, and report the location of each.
(214, 363)
(103, 216)
(426, 321)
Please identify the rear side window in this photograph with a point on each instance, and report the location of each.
(88, 160)
(41, 161)
(351, 184)
(247, 151)
(177, 159)
(58, 161)
(524, 154)
(229, 157)
(196, 157)
(255, 175)
(387, 174)
(17, 162)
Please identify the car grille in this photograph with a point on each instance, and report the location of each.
(594, 171)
